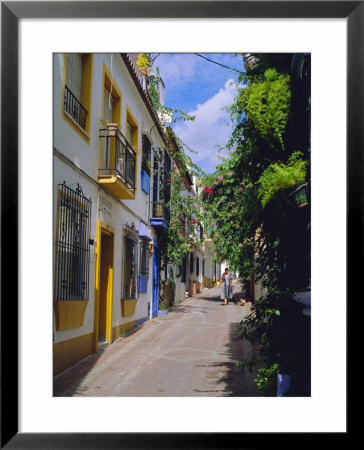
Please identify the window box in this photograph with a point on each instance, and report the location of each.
(128, 306)
(69, 313)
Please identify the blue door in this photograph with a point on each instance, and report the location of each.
(156, 269)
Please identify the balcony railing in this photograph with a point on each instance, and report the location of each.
(74, 108)
(161, 211)
(118, 158)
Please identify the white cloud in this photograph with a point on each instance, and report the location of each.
(210, 128)
(177, 68)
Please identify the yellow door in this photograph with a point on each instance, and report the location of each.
(106, 287)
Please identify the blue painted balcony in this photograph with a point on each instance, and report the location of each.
(160, 216)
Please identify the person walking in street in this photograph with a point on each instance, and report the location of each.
(227, 284)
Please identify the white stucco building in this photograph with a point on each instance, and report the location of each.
(108, 202)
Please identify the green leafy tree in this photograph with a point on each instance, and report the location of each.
(279, 176)
(256, 231)
(267, 105)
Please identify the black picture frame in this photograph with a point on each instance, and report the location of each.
(11, 12)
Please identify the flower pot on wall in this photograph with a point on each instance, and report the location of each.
(128, 307)
(111, 128)
(69, 313)
(159, 210)
(143, 71)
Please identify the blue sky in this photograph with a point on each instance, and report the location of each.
(200, 88)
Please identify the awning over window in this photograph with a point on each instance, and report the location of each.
(144, 231)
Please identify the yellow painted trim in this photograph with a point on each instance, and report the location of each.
(67, 353)
(128, 306)
(117, 187)
(69, 313)
(103, 227)
(87, 91)
(110, 289)
(109, 82)
(134, 139)
(119, 330)
(87, 78)
(97, 285)
(209, 282)
(110, 296)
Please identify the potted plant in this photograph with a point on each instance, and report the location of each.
(266, 380)
(144, 63)
(279, 177)
(159, 209)
(111, 127)
(162, 310)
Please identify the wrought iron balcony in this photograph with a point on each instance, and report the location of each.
(118, 160)
(74, 108)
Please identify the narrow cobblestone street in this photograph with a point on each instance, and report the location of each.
(190, 352)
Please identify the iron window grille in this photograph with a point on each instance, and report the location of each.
(74, 108)
(161, 183)
(73, 245)
(201, 232)
(118, 158)
(130, 267)
(144, 256)
(197, 266)
(191, 262)
(146, 154)
(184, 270)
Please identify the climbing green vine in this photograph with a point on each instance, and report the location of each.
(267, 105)
(279, 176)
(255, 229)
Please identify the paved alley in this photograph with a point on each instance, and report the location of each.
(189, 352)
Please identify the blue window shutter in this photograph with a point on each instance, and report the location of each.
(145, 180)
(143, 284)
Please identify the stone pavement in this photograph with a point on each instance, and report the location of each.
(191, 351)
